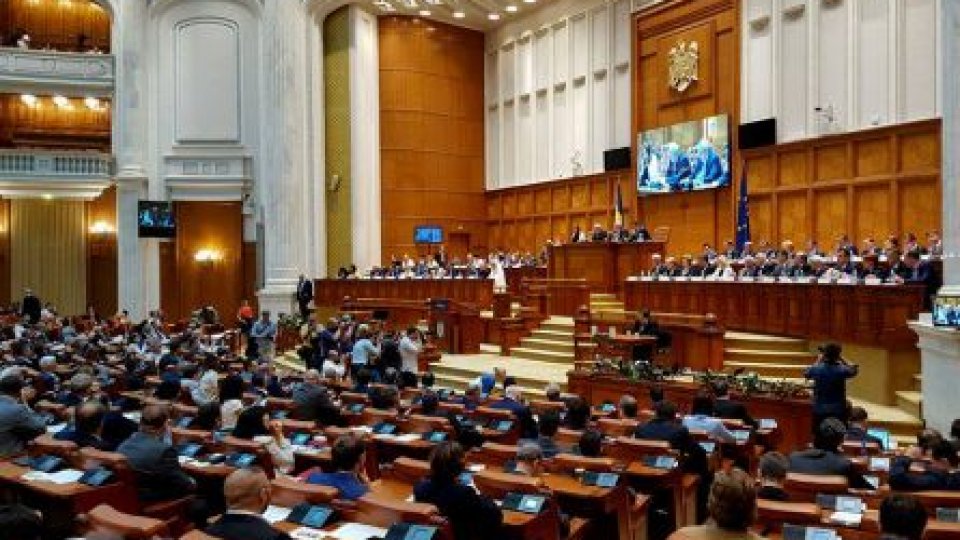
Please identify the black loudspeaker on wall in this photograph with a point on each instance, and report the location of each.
(616, 159)
(757, 134)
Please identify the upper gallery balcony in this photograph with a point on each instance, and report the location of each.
(29, 71)
(54, 173)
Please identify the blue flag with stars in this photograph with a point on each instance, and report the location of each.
(743, 212)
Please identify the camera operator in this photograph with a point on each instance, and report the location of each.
(829, 375)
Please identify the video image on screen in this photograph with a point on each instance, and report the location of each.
(684, 157)
(946, 311)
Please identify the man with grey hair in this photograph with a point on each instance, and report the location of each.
(529, 459)
(513, 401)
(333, 367)
(312, 401)
(264, 332)
(552, 392)
(48, 376)
(19, 424)
(628, 407)
(78, 390)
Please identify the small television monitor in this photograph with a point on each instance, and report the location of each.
(946, 311)
(155, 219)
(684, 157)
(428, 234)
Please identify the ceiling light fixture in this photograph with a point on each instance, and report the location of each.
(459, 14)
(29, 100)
(511, 9)
(424, 12)
(494, 16)
(92, 103)
(529, 1)
(62, 102)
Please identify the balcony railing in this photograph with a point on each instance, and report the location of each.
(31, 70)
(67, 173)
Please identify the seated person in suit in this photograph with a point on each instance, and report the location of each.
(729, 409)
(159, 475)
(871, 268)
(77, 390)
(732, 506)
(857, 428)
(701, 419)
(548, 424)
(472, 515)
(896, 269)
(659, 268)
(825, 457)
(902, 517)
(801, 266)
(773, 474)
(845, 266)
(361, 381)
(619, 234)
(645, 326)
(577, 415)
(783, 265)
(312, 401)
(513, 401)
(590, 444)
(247, 492)
(348, 456)
(750, 269)
(598, 234)
(19, 424)
(665, 427)
(686, 267)
(488, 381)
(940, 473)
(529, 460)
(628, 407)
(673, 269)
(921, 272)
(552, 392)
(86, 426)
(640, 233)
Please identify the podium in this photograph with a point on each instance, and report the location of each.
(604, 265)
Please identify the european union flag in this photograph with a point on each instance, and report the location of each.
(743, 212)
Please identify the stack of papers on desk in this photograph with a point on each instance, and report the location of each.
(274, 514)
(846, 519)
(356, 531)
(66, 476)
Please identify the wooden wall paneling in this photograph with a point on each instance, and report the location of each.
(102, 284)
(792, 168)
(169, 280)
(919, 206)
(432, 142)
(56, 23)
(831, 218)
(5, 296)
(761, 218)
(792, 218)
(48, 126)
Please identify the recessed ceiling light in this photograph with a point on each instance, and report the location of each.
(47, 196)
(511, 9)
(92, 103)
(494, 16)
(424, 12)
(529, 1)
(29, 100)
(459, 14)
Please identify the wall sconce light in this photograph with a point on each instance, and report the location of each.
(29, 100)
(93, 103)
(101, 228)
(207, 256)
(62, 102)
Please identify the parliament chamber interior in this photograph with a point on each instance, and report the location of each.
(479, 269)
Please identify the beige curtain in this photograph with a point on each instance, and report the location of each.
(48, 252)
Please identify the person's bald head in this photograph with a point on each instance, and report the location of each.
(247, 489)
(154, 418)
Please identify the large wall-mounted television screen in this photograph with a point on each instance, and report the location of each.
(155, 219)
(684, 157)
(428, 234)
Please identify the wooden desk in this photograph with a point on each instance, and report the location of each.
(516, 274)
(604, 265)
(793, 416)
(329, 293)
(873, 315)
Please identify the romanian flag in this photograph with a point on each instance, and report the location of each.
(618, 206)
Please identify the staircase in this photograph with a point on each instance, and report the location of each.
(768, 356)
(605, 305)
(542, 358)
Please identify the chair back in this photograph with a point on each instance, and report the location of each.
(297, 426)
(408, 470)
(567, 437)
(932, 500)
(568, 463)
(455, 408)
(628, 449)
(806, 487)
(372, 416)
(494, 454)
(386, 512)
(46, 444)
(349, 398)
(941, 530)
(288, 492)
(771, 515)
(615, 427)
(497, 484)
(489, 413)
(418, 423)
(858, 448)
(279, 404)
(104, 518)
(540, 406)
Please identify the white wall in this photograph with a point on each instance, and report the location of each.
(557, 86)
(874, 61)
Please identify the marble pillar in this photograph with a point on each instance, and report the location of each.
(284, 187)
(940, 347)
(138, 276)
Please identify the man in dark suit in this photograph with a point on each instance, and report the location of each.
(312, 401)
(645, 326)
(665, 427)
(729, 409)
(30, 306)
(598, 234)
(86, 427)
(512, 401)
(825, 458)
(159, 475)
(938, 474)
(857, 428)
(304, 296)
(248, 494)
(19, 424)
(640, 234)
(921, 272)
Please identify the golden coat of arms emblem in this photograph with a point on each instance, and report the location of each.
(684, 65)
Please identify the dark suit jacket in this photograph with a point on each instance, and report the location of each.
(860, 435)
(31, 307)
(694, 456)
(244, 527)
(903, 479)
(313, 402)
(82, 440)
(733, 410)
(528, 426)
(159, 475)
(815, 461)
(472, 515)
(305, 291)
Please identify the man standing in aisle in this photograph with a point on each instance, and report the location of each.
(264, 332)
(304, 296)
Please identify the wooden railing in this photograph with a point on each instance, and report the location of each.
(556, 296)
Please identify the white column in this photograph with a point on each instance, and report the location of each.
(284, 179)
(365, 137)
(138, 274)
(939, 347)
